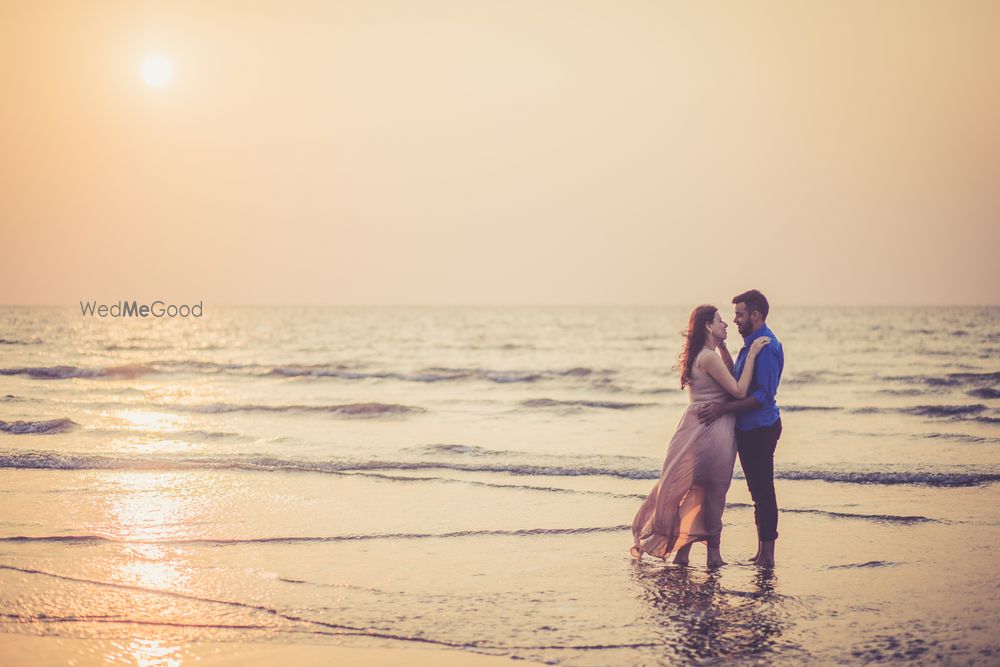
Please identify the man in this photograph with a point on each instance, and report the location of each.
(758, 420)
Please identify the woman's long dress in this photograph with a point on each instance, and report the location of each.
(687, 502)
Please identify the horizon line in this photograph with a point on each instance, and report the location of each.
(524, 305)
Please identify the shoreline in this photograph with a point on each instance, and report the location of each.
(29, 650)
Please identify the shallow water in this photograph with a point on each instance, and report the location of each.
(467, 477)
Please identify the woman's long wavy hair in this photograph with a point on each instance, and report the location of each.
(694, 339)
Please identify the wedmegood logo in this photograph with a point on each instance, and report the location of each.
(134, 309)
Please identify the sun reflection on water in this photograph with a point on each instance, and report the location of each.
(146, 653)
(142, 510)
(146, 505)
(153, 425)
(153, 446)
(150, 420)
(150, 566)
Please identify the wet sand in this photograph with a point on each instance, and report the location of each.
(18, 650)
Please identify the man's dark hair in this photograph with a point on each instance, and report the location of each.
(754, 301)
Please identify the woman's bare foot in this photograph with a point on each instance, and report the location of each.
(682, 555)
(756, 556)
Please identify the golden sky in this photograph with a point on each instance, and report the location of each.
(505, 152)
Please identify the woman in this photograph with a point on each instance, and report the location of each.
(686, 504)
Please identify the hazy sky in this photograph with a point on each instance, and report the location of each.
(506, 152)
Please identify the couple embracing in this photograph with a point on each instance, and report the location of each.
(732, 410)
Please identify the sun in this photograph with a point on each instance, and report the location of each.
(157, 71)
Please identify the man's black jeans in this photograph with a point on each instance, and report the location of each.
(756, 448)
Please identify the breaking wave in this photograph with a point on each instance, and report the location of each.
(610, 405)
(38, 427)
(126, 371)
(620, 467)
(349, 409)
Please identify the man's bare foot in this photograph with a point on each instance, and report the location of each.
(756, 556)
(682, 555)
(766, 556)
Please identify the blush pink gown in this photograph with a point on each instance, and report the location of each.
(687, 502)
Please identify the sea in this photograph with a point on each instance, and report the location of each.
(465, 478)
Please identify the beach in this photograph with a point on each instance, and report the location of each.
(18, 649)
(308, 484)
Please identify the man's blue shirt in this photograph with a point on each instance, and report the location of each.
(764, 385)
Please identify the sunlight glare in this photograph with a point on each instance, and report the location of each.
(157, 71)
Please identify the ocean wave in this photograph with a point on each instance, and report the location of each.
(53, 460)
(986, 420)
(958, 437)
(943, 410)
(985, 392)
(607, 385)
(190, 435)
(817, 377)
(949, 379)
(809, 408)
(903, 392)
(10, 398)
(341, 371)
(111, 620)
(878, 518)
(922, 478)
(356, 537)
(975, 377)
(501, 346)
(18, 341)
(295, 539)
(348, 409)
(126, 371)
(588, 467)
(197, 434)
(955, 412)
(933, 380)
(316, 371)
(471, 450)
(38, 427)
(344, 373)
(194, 366)
(871, 563)
(427, 375)
(610, 405)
